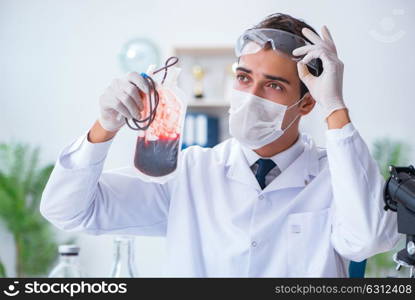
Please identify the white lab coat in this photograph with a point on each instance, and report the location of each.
(324, 210)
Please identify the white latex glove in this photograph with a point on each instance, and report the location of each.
(326, 89)
(122, 100)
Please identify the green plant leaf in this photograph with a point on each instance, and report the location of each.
(21, 185)
(38, 185)
(2, 270)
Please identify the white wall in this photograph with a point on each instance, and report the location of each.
(56, 57)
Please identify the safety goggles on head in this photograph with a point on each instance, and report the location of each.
(253, 40)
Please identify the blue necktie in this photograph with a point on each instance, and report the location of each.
(264, 166)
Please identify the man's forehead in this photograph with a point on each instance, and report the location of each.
(272, 65)
(268, 55)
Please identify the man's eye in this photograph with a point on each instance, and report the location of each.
(273, 85)
(242, 78)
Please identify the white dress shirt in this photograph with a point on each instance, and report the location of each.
(282, 159)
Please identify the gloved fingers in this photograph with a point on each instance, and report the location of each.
(116, 104)
(118, 111)
(328, 38)
(313, 37)
(326, 34)
(122, 110)
(126, 99)
(303, 50)
(329, 59)
(315, 53)
(139, 81)
(119, 117)
(327, 41)
(304, 73)
(133, 91)
(130, 104)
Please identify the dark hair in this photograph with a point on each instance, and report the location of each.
(290, 24)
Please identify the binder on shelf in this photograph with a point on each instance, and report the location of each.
(200, 129)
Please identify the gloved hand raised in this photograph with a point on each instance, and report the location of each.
(326, 89)
(122, 99)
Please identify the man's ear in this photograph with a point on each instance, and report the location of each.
(307, 105)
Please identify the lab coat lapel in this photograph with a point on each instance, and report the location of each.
(238, 168)
(300, 172)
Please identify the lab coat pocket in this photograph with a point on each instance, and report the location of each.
(307, 236)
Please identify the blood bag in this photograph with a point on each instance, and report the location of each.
(160, 128)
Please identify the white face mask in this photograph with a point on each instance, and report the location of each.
(255, 121)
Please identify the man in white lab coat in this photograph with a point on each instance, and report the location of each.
(265, 203)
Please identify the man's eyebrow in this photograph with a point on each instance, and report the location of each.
(279, 78)
(271, 77)
(243, 70)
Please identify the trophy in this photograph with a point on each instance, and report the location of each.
(198, 74)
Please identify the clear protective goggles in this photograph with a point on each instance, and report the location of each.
(253, 40)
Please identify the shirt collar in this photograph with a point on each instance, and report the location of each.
(282, 159)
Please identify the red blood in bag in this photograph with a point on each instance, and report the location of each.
(148, 153)
(157, 148)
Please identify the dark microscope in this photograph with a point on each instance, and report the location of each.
(399, 196)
